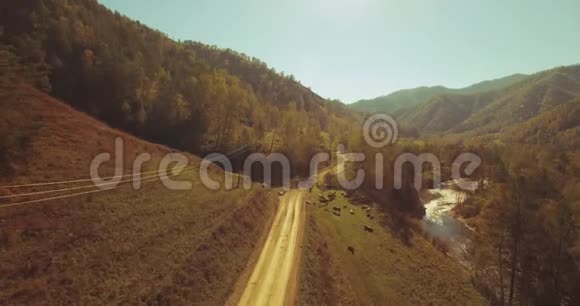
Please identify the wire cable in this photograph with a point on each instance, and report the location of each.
(149, 179)
(110, 177)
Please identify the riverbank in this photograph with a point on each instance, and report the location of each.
(442, 222)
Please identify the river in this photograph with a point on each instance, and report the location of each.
(440, 222)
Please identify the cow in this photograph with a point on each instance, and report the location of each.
(350, 249)
(368, 229)
(332, 196)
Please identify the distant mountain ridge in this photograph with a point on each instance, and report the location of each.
(408, 98)
(493, 84)
(543, 108)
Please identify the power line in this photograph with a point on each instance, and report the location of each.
(65, 196)
(158, 173)
(149, 179)
(110, 177)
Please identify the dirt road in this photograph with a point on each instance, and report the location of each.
(271, 280)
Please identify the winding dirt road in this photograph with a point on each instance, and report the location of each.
(271, 282)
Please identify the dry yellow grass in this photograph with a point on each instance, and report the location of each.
(152, 246)
(383, 269)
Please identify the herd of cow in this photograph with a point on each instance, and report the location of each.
(324, 201)
(337, 211)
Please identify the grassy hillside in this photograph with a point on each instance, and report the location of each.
(121, 246)
(383, 270)
(411, 98)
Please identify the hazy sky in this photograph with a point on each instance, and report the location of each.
(353, 49)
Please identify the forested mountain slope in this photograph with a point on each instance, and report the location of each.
(398, 100)
(410, 98)
(183, 94)
(544, 103)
